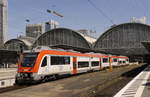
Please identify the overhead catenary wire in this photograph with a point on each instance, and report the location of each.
(101, 12)
(142, 6)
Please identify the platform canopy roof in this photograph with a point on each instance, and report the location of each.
(15, 44)
(62, 37)
(124, 39)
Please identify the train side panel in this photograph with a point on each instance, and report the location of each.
(55, 65)
(95, 63)
(83, 64)
(114, 61)
(121, 61)
(105, 61)
(60, 64)
(44, 65)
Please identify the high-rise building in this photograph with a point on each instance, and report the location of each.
(35, 30)
(3, 21)
(138, 20)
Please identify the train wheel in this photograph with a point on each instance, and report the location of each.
(57, 76)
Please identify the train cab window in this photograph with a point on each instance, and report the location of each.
(95, 63)
(44, 63)
(115, 60)
(83, 64)
(105, 60)
(29, 59)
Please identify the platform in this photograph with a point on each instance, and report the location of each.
(7, 77)
(7, 72)
(138, 87)
(81, 85)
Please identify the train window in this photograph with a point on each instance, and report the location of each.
(127, 60)
(66, 60)
(44, 63)
(2, 83)
(95, 63)
(83, 64)
(105, 60)
(115, 60)
(120, 62)
(59, 60)
(124, 61)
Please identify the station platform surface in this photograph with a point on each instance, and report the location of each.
(7, 73)
(76, 86)
(138, 87)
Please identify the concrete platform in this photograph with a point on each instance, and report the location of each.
(7, 69)
(7, 77)
(7, 73)
(75, 86)
(138, 87)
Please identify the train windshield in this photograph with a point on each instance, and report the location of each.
(29, 59)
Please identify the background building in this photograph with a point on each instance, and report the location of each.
(62, 38)
(138, 20)
(3, 21)
(21, 41)
(35, 30)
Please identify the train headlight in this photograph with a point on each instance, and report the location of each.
(18, 75)
(33, 75)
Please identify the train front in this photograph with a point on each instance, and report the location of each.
(27, 68)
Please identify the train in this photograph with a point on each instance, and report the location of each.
(45, 64)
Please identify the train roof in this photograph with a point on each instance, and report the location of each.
(66, 53)
(70, 53)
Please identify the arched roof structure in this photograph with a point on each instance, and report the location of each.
(63, 37)
(124, 39)
(14, 44)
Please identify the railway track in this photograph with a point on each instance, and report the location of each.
(120, 83)
(11, 88)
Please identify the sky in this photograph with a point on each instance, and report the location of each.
(78, 14)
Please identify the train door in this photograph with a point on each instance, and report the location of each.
(100, 63)
(74, 65)
(110, 64)
(44, 65)
(90, 63)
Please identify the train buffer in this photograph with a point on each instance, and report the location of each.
(138, 87)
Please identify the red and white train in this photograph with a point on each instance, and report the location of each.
(38, 66)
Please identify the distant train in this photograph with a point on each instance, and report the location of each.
(40, 66)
